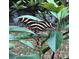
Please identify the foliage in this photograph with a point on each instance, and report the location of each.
(23, 33)
(54, 38)
(52, 1)
(29, 17)
(27, 43)
(61, 13)
(19, 29)
(32, 56)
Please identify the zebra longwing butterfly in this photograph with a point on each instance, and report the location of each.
(35, 25)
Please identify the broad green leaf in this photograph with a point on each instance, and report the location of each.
(27, 43)
(29, 17)
(19, 29)
(53, 2)
(63, 13)
(11, 37)
(59, 8)
(51, 7)
(55, 40)
(59, 15)
(54, 14)
(48, 6)
(31, 2)
(25, 36)
(21, 36)
(23, 33)
(32, 56)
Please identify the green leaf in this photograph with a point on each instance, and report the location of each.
(59, 15)
(29, 17)
(59, 8)
(25, 36)
(11, 37)
(51, 7)
(23, 33)
(21, 36)
(32, 56)
(63, 13)
(21, 7)
(19, 29)
(54, 14)
(48, 6)
(27, 43)
(55, 40)
(53, 2)
(31, 2)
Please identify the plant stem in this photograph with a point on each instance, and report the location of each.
(58, 26)
(53, 55)
(42, 56)
(45, 50)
